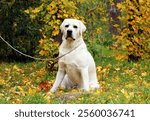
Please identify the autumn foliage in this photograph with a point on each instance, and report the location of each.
(134, 35)
(51, 14)
(118, 31)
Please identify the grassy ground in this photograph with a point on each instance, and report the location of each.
(121, 82)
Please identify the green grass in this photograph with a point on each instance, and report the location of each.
(34, 99)
(121, 82)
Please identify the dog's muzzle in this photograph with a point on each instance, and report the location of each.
(69, 34)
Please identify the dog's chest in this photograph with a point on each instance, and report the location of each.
(74, 59)
(71, 56)
(71, 67)
(69, 60)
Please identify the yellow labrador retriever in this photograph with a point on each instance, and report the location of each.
(76, 68)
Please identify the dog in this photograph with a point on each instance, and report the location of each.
(76, 68)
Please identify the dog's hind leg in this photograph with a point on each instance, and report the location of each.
(67, 83)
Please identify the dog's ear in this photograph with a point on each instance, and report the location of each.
(82, 27)
(62, 26)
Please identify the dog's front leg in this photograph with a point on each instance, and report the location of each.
(85, 79)
(60, 76)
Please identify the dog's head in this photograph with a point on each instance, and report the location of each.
(72, 28)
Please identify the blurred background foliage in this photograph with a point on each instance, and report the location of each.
(32, 26)
(18, 29)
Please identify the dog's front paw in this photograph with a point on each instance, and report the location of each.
(94, 86)
(87, 89)
(52, 90)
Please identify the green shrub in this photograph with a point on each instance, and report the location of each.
(18, 29)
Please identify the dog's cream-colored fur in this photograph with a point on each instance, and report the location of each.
(78, 67)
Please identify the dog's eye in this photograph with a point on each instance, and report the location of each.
(75, 27)
(66, 26)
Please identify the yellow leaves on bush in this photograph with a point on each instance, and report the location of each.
(41, 41)
(27, 11)
(43, 52)
(141, 1)
(121, 6)
(36, 10)
(52, 8)
(33, 12)
(55, 32)
(69, 6)
(60, 10)
(134, 33)
(56, 11)
(48, 47)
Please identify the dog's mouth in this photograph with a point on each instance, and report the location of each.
(69, 35)
(69, 38)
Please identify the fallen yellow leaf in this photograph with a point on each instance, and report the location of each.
(2, 81)
(98, 68)
(116, 79)
(1, 94)
(20, 88)
(117, 69)
(144, 73)
(125, 93)
(130, 85)
(146, 84)
(31, 91)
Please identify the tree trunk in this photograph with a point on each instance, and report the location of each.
(114, 13)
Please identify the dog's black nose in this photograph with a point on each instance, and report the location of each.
(69, 33)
